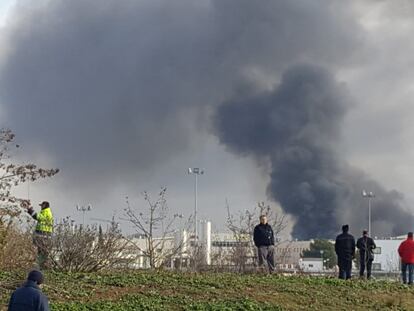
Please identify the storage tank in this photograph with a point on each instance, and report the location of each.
(205, 240)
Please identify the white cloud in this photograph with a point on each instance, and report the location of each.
(5, 7)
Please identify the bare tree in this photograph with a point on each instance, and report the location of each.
(283, 257)
(220, 259)
(157, 227)
(197, 255)
(17, 250)
(12, 175)
(242, 227)
(88, 248)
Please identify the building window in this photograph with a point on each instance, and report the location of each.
(376, 266)
(310, 266)
(377, 250)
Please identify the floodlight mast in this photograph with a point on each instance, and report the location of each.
(368, 195)
(195, 171)
(83, 209)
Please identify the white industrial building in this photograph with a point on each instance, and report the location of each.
(220, 249)
(311, 265)
(175, 249)
(386, 258)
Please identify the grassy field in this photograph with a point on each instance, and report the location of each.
(212, 291)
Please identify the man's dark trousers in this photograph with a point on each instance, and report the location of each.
(365, 263)
(345, 267)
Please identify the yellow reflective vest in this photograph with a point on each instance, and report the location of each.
(44, 220)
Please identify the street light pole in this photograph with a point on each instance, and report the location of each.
(195, 171)
(195, 209)
(321, 251)
(83, 209)
(368, 195)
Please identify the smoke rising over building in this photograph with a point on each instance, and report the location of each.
(113, 90)
(297, 129)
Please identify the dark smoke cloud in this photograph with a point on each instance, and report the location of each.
(112, 88)
(297, 128)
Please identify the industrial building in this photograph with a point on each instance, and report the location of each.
(224, 249)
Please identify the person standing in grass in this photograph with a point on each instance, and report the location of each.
(345, 250)
(265, 242)
(406, 252)
(366, 245)
(29, 297)
(43, 232)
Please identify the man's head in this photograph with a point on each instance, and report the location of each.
(345, 228)
(263, 219)
(44, 204)
(35, 276)
(410, 235)
(365, 233)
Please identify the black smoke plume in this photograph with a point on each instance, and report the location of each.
(112, 88)
(297, 128)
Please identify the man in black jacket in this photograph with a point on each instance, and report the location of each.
(365, 244)
(264, 240)
(29, 297)
(345, 250)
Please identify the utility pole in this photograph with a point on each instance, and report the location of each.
(196, 172)
(368, 195)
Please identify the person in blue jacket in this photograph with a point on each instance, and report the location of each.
(29, 297)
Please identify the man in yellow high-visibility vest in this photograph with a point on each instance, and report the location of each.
(43, 232)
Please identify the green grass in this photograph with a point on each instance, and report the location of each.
(211, 291)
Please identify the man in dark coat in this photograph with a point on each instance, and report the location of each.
(29, 297)
(345, 250)
(264, 240)
(365, 244)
